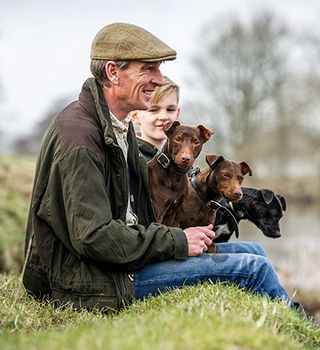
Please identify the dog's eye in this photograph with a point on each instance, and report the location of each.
(240, 179)
(196, 142)
(177, 139)
(227, 175)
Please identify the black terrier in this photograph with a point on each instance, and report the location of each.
(264, 208)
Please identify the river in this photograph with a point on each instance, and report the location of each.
(296, 254)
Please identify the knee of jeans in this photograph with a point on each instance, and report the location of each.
(264, 264)
(257, 263)
(258, 249)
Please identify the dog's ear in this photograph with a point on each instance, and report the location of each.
(205, 133)
(245, 169)
(169, 127)
(267, 195)
(282, 201)
(213, 160)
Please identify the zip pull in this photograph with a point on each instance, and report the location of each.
(132, 200)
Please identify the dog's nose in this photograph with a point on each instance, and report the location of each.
(237, 194)
(276, 234)
(185, 159)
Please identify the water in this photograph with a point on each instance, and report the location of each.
(296, 254)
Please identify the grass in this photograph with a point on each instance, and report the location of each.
(201, 317)
(16, 175)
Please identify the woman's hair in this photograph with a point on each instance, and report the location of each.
(98, 70)
(161, 91)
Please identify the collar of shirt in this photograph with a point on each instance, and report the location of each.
(121, 130)
(120, 126)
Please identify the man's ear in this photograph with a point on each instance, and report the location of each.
(112, 72)
(135, 117)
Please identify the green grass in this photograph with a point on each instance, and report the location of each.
(16, 175)
(200, 317)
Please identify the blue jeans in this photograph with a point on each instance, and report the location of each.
(243, 263)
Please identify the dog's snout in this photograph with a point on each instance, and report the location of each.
(185, 158)
(237, 194)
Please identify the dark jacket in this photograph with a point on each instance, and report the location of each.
(82, 251)
(147, 149)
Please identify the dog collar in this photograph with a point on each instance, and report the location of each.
(232, 221)
(214, 205)
(167, 163)
(163, 160)
(198, 189)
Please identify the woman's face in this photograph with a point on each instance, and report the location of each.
(152, 120)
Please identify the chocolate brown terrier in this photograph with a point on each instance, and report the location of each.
(167, 171)
(221, 179)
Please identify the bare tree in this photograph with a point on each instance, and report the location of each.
(295, 134)
(252, 92)
(240, 69)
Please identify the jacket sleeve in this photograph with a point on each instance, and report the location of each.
(77, 195)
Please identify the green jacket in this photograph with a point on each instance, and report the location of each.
(146, 149)
(81, 246)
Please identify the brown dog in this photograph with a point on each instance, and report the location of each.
(221, 179)
(167, 171)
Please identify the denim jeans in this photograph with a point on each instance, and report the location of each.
(243, 263)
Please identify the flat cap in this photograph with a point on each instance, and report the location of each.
(124, 41)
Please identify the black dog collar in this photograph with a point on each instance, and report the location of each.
(214, 205)
(164, 159)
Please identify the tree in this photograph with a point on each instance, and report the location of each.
(252, 92)
(240, 69)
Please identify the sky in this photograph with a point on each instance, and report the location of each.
(45, 44)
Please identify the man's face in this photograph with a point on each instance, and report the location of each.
(137, 82)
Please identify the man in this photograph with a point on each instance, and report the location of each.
(91, 237)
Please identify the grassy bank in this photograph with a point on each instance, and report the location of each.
(200, 317)
(16, 176)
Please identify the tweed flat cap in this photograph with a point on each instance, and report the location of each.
(124, 41)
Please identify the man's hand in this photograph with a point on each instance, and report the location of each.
(199, 238)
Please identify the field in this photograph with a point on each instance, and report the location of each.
(201, 317)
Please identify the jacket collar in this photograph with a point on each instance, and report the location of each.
(91, 99)
(146, 148)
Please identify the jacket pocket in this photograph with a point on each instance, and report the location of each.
(84, 285)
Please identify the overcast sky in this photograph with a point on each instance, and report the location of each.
(45, 44)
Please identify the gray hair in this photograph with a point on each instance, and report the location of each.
(98, 70)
